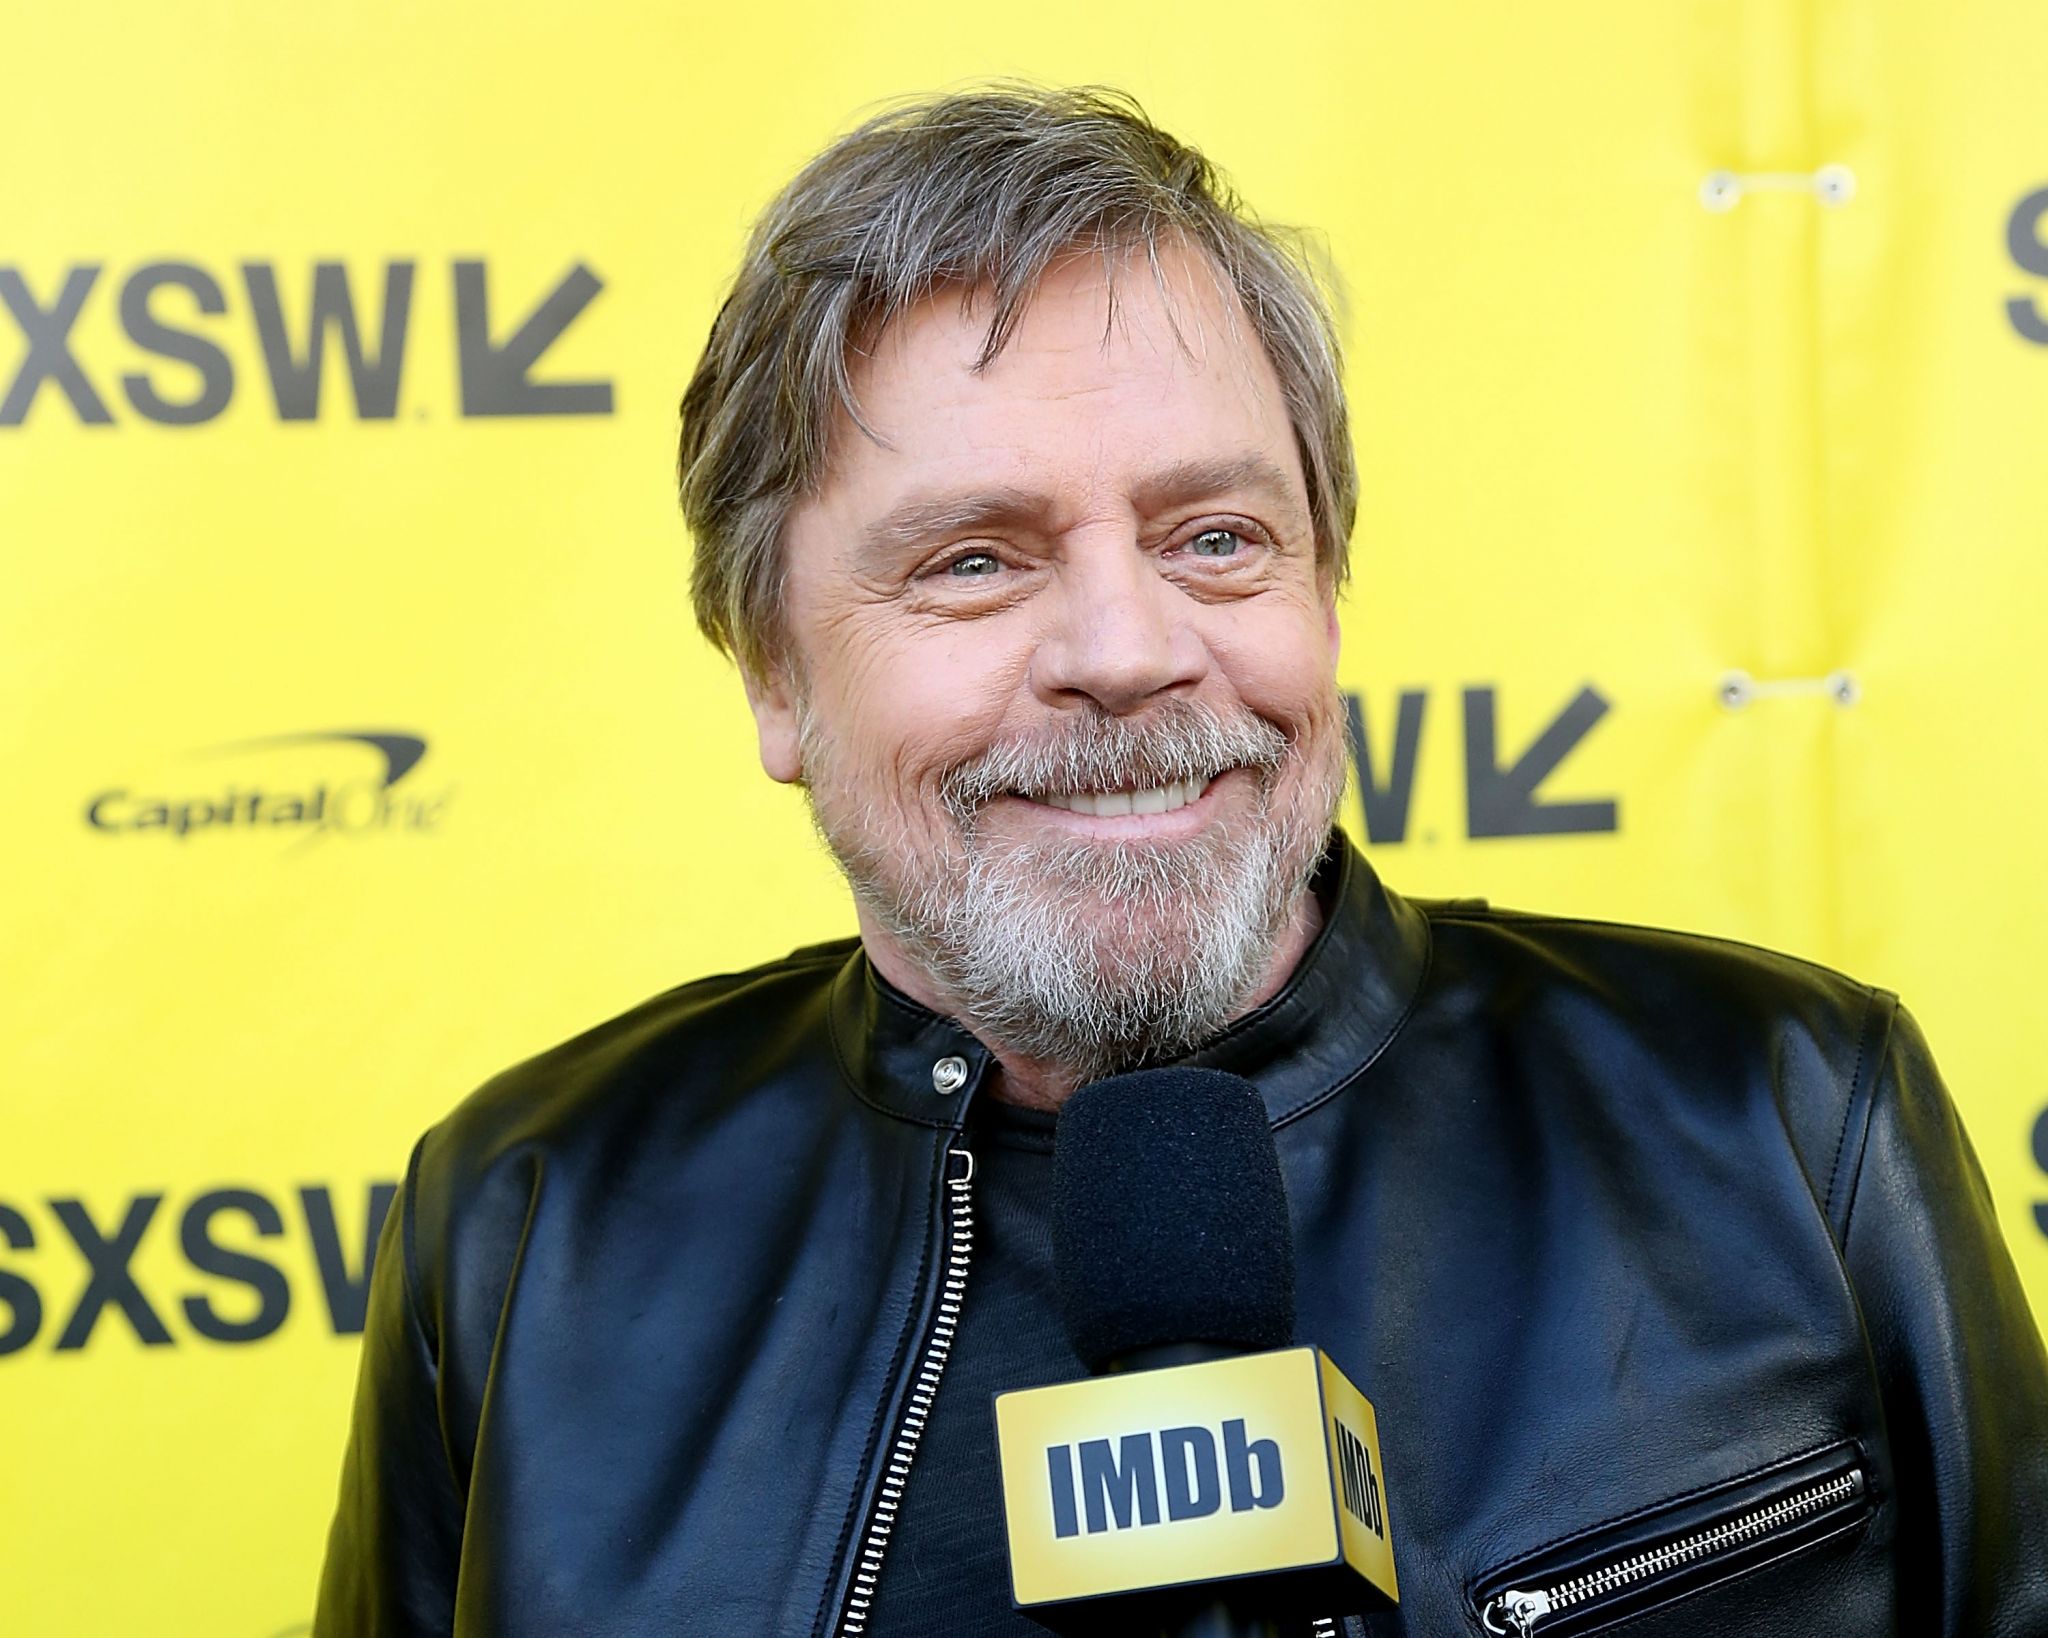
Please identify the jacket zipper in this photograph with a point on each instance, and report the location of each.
(1520, 1611)
(917, 1409)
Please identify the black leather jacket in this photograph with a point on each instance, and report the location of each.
(1637, 1241)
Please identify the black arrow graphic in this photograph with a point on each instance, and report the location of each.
(1387, 803)
(1502, 801)
(495, 378)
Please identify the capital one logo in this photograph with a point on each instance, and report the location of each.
(166, 311)
(357, 797)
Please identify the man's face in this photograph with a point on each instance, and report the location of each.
(1063, 692)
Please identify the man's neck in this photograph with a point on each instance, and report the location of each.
(1041, 1083)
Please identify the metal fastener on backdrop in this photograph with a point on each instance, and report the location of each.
(1831, 185)
(1739, 688)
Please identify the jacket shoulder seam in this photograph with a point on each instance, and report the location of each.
(664, 1012)
(810, 957)
(409, 1267)
(1462, 910)
(1873, 1039)
(411, 1278)
(1834, 1190)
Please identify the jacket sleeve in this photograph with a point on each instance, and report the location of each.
(1958, 1357)
(396, 1539)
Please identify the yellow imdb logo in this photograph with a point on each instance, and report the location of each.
(1246, 1466)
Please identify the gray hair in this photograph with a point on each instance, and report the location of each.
(981, 190)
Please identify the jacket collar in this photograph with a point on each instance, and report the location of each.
(1335, 1015)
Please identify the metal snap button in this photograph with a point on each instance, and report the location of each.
(1719, 190)
(949, 1074)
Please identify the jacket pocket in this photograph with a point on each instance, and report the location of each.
(1591, 1580)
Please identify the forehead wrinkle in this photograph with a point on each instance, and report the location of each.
(1195, 289)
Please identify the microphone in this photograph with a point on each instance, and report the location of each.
(1169, 1221)
(1207, 1467)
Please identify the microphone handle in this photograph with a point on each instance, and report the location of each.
(1219, 1620)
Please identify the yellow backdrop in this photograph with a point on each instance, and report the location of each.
(359, 742)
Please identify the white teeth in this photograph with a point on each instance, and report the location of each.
(1108, 804)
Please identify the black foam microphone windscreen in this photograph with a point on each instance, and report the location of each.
(1170, 1217)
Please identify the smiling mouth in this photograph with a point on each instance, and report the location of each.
(1113, 804)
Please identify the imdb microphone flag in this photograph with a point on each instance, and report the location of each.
(1261, 1468)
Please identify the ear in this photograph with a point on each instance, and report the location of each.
(1335, 629)
(772, 698)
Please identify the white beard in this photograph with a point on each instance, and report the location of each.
(1096, 956)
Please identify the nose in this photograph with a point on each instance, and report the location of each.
(1118, 631)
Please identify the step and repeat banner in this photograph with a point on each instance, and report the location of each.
(360, 742)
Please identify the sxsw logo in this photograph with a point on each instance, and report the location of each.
(1175, 1474)
(1501, 792)
(157, 303)
(211, 1231)
(356, 792)
(2026, 241)
(2041, 1160)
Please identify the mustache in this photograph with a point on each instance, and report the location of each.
(1178, 741)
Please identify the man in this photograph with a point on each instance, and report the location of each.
(1019, 474)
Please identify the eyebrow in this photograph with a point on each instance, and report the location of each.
(1175, 485)
(1194, 480)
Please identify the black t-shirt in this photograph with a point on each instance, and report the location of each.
(947, 1567)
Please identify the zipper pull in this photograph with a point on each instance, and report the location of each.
(1522, 1609)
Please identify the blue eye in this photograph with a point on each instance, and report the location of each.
(1216, 543)
(973, 564)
